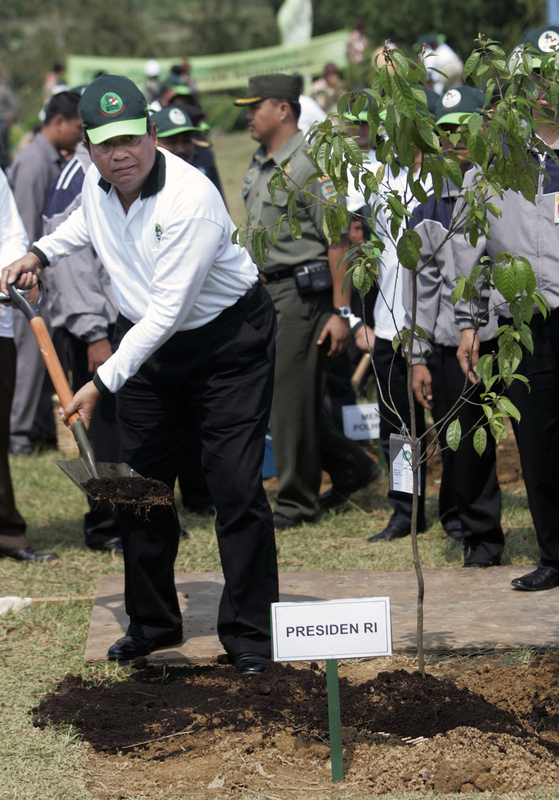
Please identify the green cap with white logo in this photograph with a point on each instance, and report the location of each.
(458, 104)
(544, 40)
(113, 106)
(172, 120)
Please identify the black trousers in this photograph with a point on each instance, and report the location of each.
(12, 524)
(474, 477)
(391, 376)
(101, 521)
(221, 376)
(538, 432)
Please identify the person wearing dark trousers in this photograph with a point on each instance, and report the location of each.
(195, 336)
(305, 283)
(390, 370)
(537, 434)
(530, 230)
(472, 476)
(82, 313)
(13, 243)
(30, 174)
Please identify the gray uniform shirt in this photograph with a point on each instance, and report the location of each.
(288, 252)
(80, 294)
(30, 175)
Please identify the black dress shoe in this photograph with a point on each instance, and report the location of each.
(30, 554)
(337, 497)
(542, 578)
(251, 663)
(481, 564)
(112, 545)
(130, 647)
(389, 533)
(281, 522)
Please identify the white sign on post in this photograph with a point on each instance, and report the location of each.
(361, 421)
(331, 629)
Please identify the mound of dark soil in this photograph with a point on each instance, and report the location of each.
(468, 728)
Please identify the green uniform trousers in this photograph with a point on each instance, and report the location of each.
(305, 440)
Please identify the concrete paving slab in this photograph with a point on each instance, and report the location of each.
(466, 610)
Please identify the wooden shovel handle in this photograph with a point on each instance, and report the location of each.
(54, 366)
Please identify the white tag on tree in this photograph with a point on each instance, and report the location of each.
(401, 472)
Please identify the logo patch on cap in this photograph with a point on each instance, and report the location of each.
(548, 41)
(111, 104)
(451, 99)
(177, 117)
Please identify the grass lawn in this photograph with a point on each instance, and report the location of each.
(40, 645)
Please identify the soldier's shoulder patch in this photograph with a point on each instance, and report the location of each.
(327, 186)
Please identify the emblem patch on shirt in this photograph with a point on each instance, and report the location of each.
(327, 187)
(158, 231)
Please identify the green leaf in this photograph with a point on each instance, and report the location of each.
(505, 404)
(242, 239)
(295, 228)
(418, 191)
(370, 182)
(408, 248)
(400, 62)
(477, 148)
(484, 368)
(353, 151)
(480, 441)
(323, 158)
(454, 434)
(505, 278)
(403, 97)
(470, 64)
(459, 290)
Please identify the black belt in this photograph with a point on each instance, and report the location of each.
(272, 277)
(281, 275)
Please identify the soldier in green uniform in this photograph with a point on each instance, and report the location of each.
(313, 313)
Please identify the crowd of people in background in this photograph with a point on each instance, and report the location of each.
(316, 317)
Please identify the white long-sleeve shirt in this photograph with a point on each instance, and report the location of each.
(170, 258)
(13, 245)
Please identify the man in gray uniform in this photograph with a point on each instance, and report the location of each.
(305, 284)
(30, 175)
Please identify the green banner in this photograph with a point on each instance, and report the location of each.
(225, 71)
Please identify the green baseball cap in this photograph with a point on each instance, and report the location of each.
(279, 86)
(545, 40)
(176, 84)
(457, 103)
(172, 120)
(113, 106)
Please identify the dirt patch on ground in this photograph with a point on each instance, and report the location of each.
(473, 724)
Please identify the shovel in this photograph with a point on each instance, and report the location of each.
(86, 467)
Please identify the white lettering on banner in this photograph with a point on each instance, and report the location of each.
(330, 629)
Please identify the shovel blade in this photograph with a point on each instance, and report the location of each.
(77, 472)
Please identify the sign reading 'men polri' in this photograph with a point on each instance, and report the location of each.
(331, 629)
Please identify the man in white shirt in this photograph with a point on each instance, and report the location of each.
(195, 339)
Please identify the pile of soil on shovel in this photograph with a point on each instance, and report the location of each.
(474, 724)
(142, 492)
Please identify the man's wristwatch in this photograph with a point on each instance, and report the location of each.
(344, 312)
